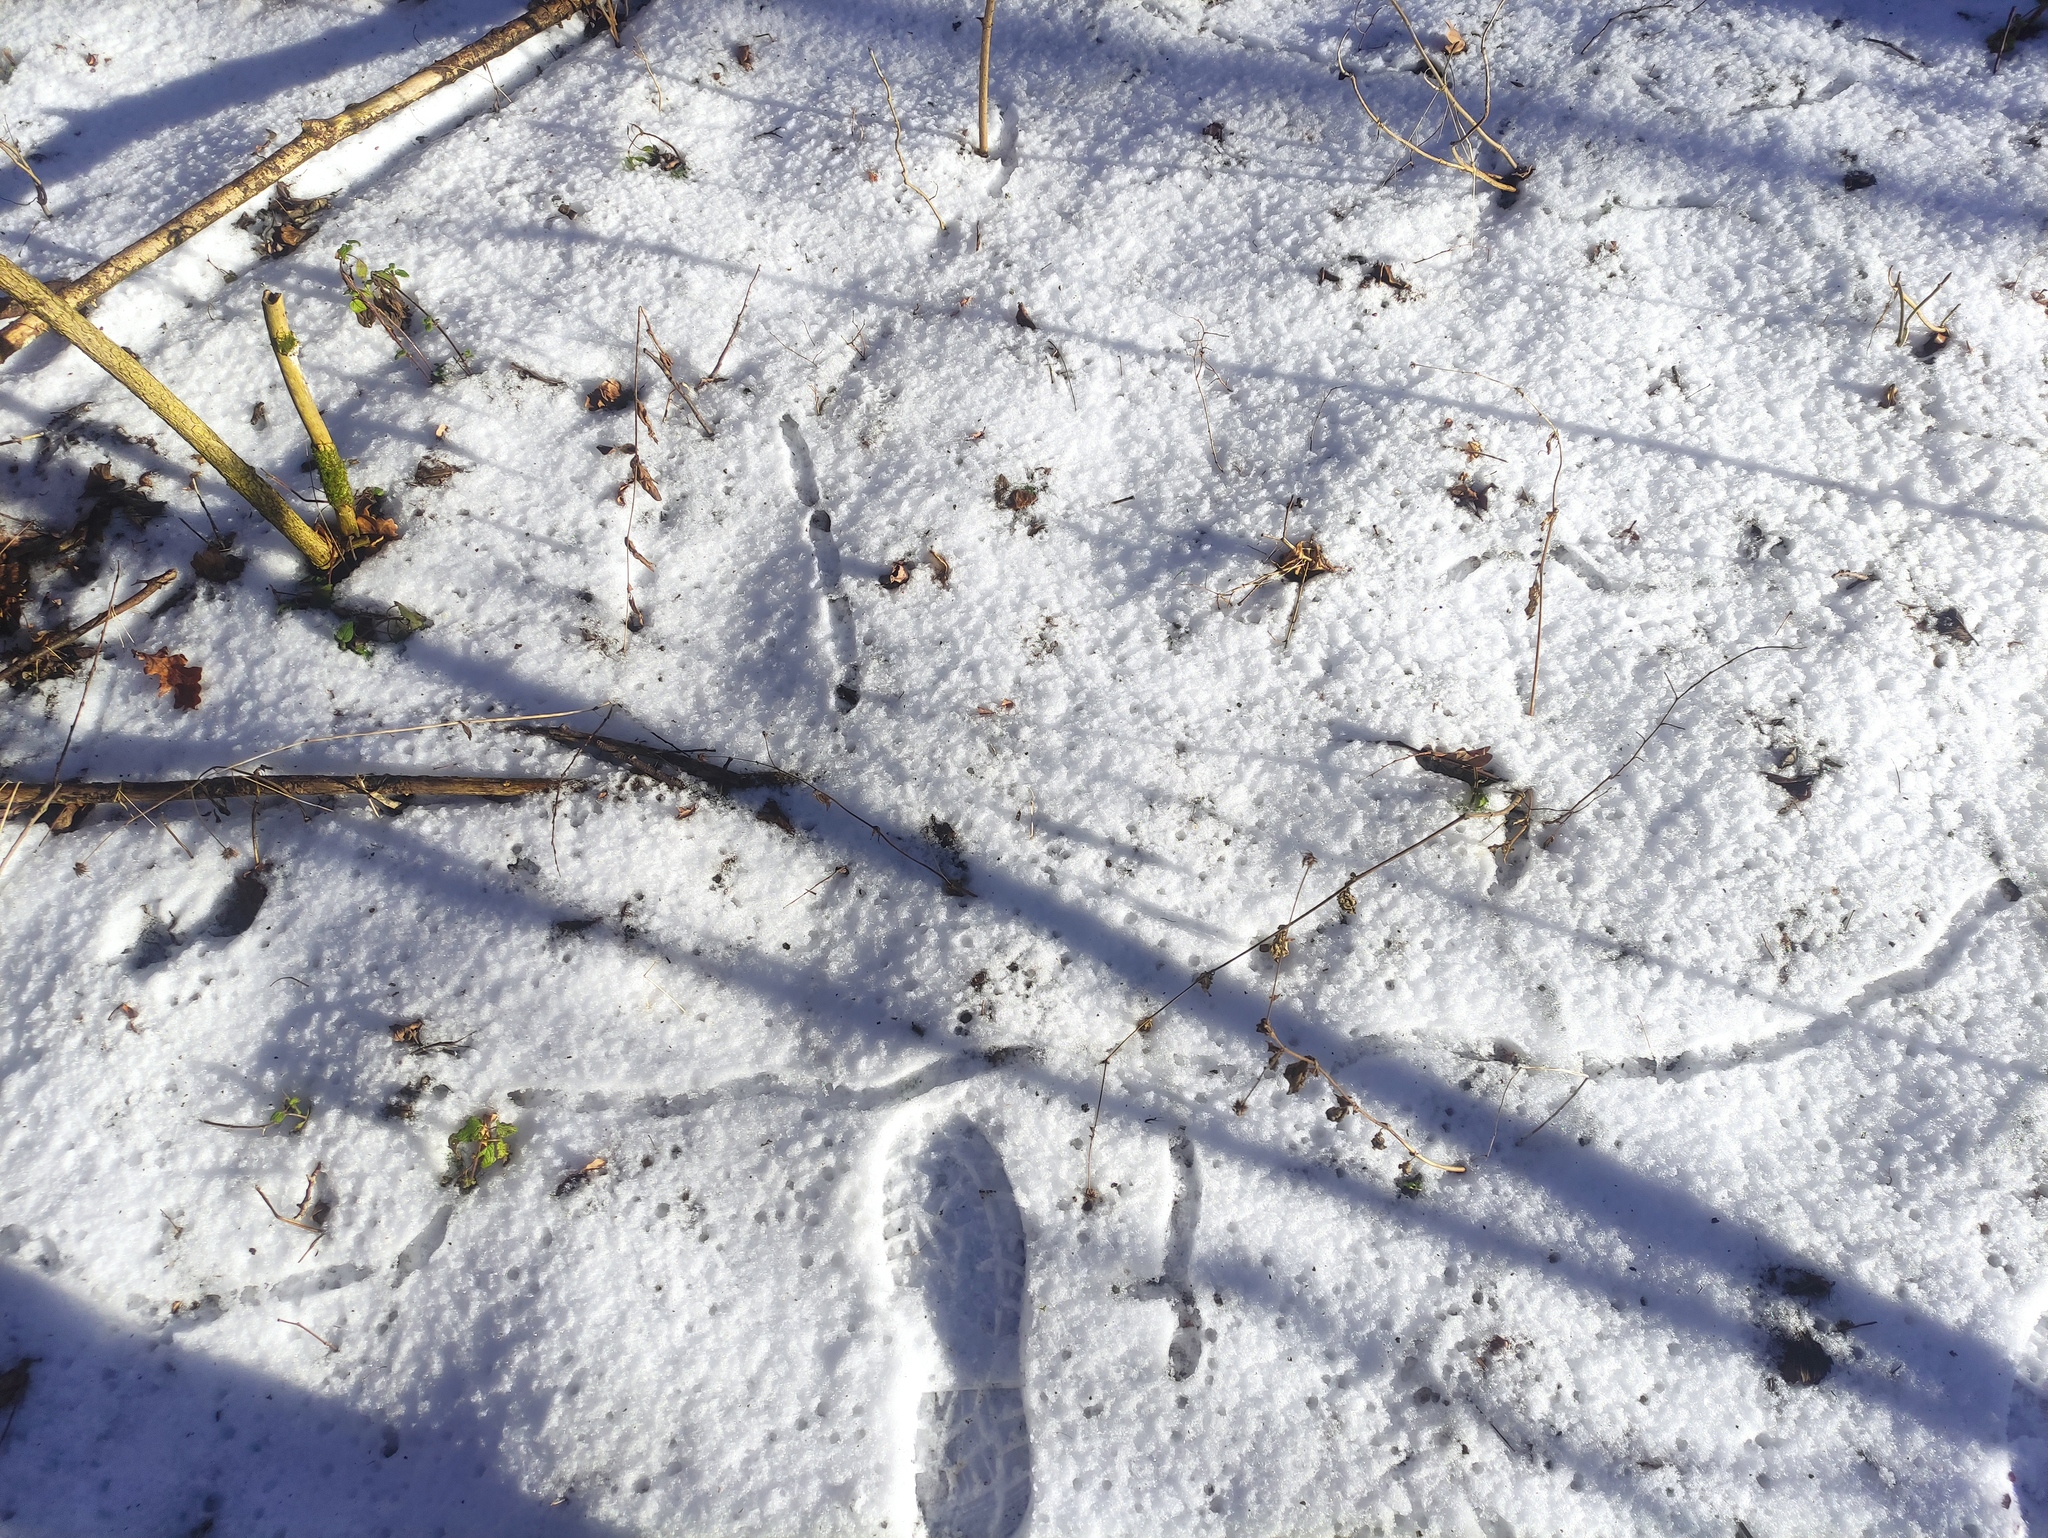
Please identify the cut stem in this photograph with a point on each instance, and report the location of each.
(235, 470)
(988, 30)
(314, 136)
(326, 457)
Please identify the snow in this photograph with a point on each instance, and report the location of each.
(1813, 1028)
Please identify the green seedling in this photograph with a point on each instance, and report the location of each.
(656, 154)
(378, 297)
(362, 628)
(291, 1115)
(476, 1145)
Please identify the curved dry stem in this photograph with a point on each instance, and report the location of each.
(902, 164)
(1468, 166)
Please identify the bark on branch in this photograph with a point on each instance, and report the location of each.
(258, 492)
(387, 791)
(315, 136)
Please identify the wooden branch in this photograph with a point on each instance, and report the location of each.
(988, 27)
(384, 790)
(258, 492)
(665, 764)
(315, 135)
(326, 457)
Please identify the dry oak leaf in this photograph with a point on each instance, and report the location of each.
(173, 677)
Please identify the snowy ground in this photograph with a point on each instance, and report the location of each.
(845, 1117)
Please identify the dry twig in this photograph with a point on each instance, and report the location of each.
(1278, 941)
(1677, 698)
(1555, 441)
(1468, 126)
(902, 164)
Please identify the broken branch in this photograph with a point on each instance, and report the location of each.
(235, 470)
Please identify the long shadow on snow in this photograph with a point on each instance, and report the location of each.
(259, 79)
(1944, 1362)
(124, 1430)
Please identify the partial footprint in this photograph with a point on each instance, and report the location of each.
(1006, 150)
(2026, 1429)
(838, 607)
(955, 1244)
(1175, 1282)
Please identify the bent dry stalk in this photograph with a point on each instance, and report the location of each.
(235, 470)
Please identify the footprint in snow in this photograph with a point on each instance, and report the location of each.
(825, 547)
(955, 1245)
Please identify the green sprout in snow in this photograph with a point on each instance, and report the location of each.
(476, 1145)
(657, 154)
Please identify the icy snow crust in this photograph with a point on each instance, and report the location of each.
(1815, 1028)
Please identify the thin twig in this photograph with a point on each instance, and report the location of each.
(330, 1345)
(56, 774)
(51, 644)
(1514, 1073)
(1641, 10)
(1568, 1099)
(13, 152)
(1536, 588)
(1341, 895)
(1199, 352)
(654, 78)
(902, 164)
(812, 889)
(1440, 83)
(716, 377)
(1662, 721)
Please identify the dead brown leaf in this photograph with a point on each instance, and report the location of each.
(1471, 496)
(173, 675)
(217, 561)
(610, 395)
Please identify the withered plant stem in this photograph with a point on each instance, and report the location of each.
(1554, 442)
(902, 164)
(49, 799)
(1474, 127)
(1677, 698)
(326, 457)
(384, 791)
(16, 666)
(314, 136)
(254, 489)
(1207, 976)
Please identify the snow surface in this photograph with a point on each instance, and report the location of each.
(1815, 1029)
